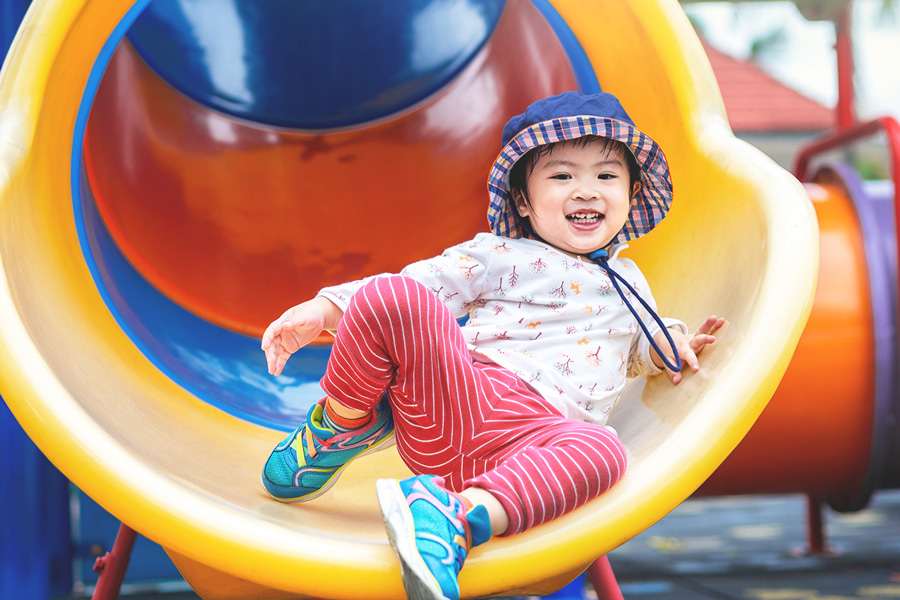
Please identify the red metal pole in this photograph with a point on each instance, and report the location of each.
(888, 125)
(815, 525)
(112, 566)
(604, 580)
(846, 103)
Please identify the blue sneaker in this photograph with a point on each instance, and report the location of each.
(310, 460)
(431, 532)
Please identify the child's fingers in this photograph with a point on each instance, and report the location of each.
(689, 357)
(270, 360)
(704, 336)
(274, 330)
(711, 325)
(276, 362)
(267, 337)
(276, 355)
(675, 376)
(279, 364)
(707, 325)
(694, 345)
(700, 341)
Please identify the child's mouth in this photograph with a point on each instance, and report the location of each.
(585, 218)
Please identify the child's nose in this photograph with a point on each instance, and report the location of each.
(587, 190)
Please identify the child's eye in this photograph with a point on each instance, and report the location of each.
(561, 176)
(606, 176)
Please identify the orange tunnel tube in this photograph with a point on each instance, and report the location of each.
(814, 434)
(829, 430)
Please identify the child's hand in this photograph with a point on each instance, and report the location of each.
(689, 346)
(297, 327)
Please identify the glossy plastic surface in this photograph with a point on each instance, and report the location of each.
(186, 474)
(830, 427)
(220, 366)
(235, 220)
(204, 227)
(814, 435)
(312, 65)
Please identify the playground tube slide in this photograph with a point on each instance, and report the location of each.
(174, 173)
(831, 426)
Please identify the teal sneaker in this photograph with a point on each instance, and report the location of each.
(431, 532)
(310, 460)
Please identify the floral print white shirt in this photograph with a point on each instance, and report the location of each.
(553, 319)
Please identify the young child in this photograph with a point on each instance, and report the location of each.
(502, 420)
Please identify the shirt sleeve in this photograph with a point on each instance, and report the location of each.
(340, 294)
(456, 277)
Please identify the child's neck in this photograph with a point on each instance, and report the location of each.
(583, 257)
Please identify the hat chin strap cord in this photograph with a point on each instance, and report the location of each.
(601, 258)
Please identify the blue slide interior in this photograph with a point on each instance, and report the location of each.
(268, 61)
(224, 368)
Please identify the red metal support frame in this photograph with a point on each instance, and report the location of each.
(604, 580)
(843, 45)
(112, 566)
(815, 529)
(838, 139)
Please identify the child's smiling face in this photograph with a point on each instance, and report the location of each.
(580, 194)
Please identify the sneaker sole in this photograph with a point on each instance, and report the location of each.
(418, 581)
(384, 444)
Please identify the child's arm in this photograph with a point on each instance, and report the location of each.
(455, 277)
(297, 327)
(689, 346)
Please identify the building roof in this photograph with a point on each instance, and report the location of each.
(756, 102)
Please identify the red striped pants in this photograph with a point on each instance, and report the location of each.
(474, 424)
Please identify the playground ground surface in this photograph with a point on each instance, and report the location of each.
(753, 548)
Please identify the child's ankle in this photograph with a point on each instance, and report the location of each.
(340, 422)
(477, 520)
(478, 523)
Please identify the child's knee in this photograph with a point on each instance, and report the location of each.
(392, 294)
(390, 287)
(615, 451)
(607, 449)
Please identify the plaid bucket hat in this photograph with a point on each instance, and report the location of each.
(568, 116)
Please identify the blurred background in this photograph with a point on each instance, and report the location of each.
(777, 69)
